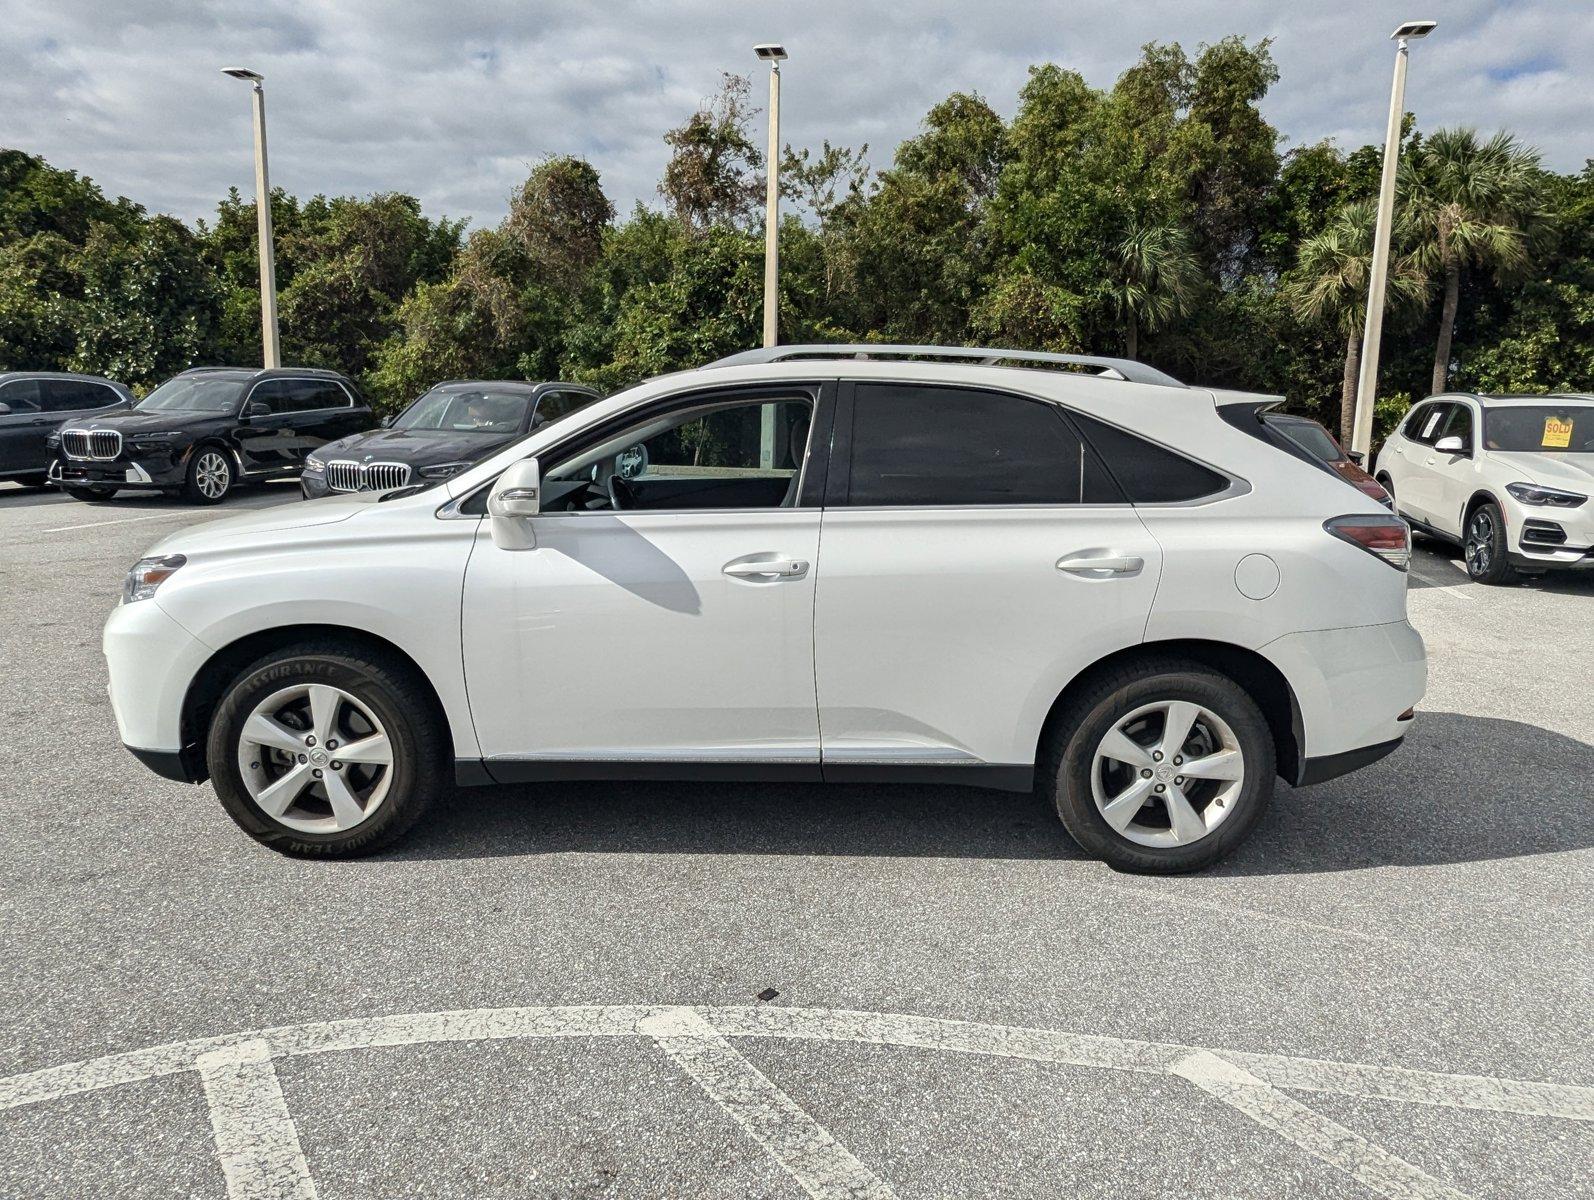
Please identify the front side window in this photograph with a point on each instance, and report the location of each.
(190, 394)
(1459, 425)
(744, 455)
(476, 410)
(1540, 428)
(926, 445)
(1425, 423)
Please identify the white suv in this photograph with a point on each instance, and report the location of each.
(853, 563)
(1505, 477)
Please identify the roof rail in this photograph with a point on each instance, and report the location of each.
(1126, 369)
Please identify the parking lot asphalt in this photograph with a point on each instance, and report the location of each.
(1388, 991)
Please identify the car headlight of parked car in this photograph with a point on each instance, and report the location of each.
(1532, 493)
(154, 441)
(148, 574)
(53, 442)
(443, 470)
(313, 465)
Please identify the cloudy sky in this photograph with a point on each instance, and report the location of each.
(453, 100)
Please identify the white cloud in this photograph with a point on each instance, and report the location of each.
(455, 101)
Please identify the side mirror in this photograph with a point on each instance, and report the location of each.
(516, 497)
(257, 408)
(1451, 445)
(1356, 456)
(386, 421)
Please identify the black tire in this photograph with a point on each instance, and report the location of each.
(1064, 772)
(401, 702)
(1485, 548)
(211, 475)
(90, 493)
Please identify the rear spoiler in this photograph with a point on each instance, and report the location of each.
(1245, 410)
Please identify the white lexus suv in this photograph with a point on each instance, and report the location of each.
(1507, 478)
(849, 563)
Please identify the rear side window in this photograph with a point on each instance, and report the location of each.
(308, 395)
(916, 445)
(71, 395)
(1148, 473)
(21, 394)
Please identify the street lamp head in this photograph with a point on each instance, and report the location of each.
(254, 77)
(1414, 29)
(770, 51)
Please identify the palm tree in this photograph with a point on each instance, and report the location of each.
(1471, 205)
(1155, 280)
(1328, 287)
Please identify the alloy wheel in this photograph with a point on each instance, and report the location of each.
(212, 475)
(1479, 549)
(1167, 774)
(315, 758)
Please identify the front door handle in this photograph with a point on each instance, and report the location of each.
(767, 568)
(1101, 566)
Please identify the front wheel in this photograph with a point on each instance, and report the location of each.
(1161, 767)
(1485, 546)
(210, 476)
(328, 751)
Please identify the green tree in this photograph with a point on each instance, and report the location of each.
(1155, 278)
(1329, 289)
(1474, 205)
(561, 215)
(712, 176)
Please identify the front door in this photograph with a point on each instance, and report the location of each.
(665, 614)
(1417, 488)
(267, 440)
(976, 556)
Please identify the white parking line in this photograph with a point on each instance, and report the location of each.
(1371, 1165)
(160, 516)
(801, 1145)
(244, 1092)
(255, 1136)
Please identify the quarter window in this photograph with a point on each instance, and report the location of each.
(916, 445)
(1149, 473)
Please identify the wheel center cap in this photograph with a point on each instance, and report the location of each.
(318, 756)
(1165, 773)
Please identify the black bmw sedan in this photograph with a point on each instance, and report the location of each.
(443, 432)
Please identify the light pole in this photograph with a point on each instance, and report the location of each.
(268, 258)
(1373, 333)
(773, 54)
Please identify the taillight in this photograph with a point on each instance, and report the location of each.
(1387, 537)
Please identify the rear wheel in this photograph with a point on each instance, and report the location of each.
(1160, 767)
(327, 751)
(90, 493)
(210, 476)
(1485, 546)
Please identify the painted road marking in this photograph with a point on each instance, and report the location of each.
(1371, 1165)
(692, 1036)
(801, 1145)
(160, 516)
(256, 1139)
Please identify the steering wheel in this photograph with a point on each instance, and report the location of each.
(621, 494)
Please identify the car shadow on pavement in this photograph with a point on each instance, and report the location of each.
(1462, 789)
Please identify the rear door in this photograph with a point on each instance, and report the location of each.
(22, 429)
(323, 411)
(974, 556)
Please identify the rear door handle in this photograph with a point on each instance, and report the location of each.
(1101, 566)
(766, 568)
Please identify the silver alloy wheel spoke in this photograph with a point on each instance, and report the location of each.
(1186, 822)
(372, 751)
(265, 730)
(324, 711)
(1119, 745)
(1126, 806)
(278, 798)
(1225, 764)
(346, 810)
(1181, 718)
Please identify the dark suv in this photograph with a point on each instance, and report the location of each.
(33, 403)
(203, 432)
(440, 434)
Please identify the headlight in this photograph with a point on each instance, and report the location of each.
(443, 470)
(313, 465)
(148, 574)
(1532, 493)
(53, 442)
(153, 441)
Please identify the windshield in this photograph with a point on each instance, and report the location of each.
(188, 394)
(469, 411)
(1314, 439)
(1540, 428)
